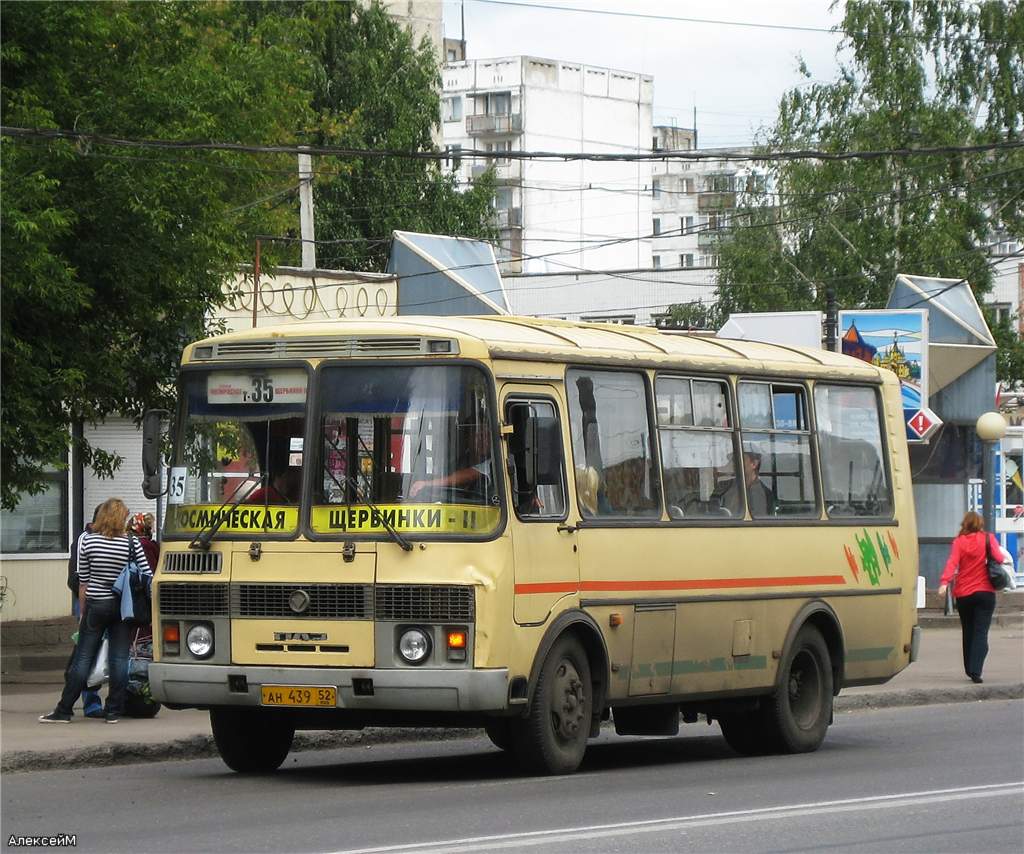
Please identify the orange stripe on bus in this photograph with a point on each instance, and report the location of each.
(549, 587)
(680, 584)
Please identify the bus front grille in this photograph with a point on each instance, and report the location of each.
(320, 601)
(194, 562)
(181, 599)
(425, 603)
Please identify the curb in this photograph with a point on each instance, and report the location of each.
(202, 746)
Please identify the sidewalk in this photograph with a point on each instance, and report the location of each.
(26, 744)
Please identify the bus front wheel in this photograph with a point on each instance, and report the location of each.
(798, 714)
(251, 741)
(552, 738)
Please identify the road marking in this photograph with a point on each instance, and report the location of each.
(661, 825)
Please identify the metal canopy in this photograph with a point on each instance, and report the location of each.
(958, 336)
(439, 275)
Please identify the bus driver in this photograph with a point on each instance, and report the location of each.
(475, 477)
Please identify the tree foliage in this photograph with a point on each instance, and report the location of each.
(375, 89)
(917, 74)
(115, 257)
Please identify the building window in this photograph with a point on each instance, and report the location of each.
(451, 109)
(686, 260)
(657, 226)
(655, 146)
(39, 524)
(492, 104)
(656, 261)
(656, 189)
(688, 186)
(685, 224)
(455, 155)
(503, 198)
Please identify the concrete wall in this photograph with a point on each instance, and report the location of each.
(563, 211)
(635, 295)
(36, 588)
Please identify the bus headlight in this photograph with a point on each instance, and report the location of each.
(199, 640)
(414, 646)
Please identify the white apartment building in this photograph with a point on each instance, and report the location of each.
(556, 216)
(693, 201)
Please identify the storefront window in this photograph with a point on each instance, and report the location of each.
(39, 524)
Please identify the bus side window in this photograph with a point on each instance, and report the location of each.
(778, 472)
(853, 469)
(698, 454)
(536, 460)
(611, 444)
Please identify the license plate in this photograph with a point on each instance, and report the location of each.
(315, 696)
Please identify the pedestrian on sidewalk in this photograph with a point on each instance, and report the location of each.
(102, 554)
(92, 705)
(975, 596)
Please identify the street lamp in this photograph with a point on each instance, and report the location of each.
(990, 427)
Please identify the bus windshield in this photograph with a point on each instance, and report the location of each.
(410, 447)
(240, 452)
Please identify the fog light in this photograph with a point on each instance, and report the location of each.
(199, 640)
(414, 646)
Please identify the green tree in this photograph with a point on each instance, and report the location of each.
(375, 89)
(917, 74)
(113, 257)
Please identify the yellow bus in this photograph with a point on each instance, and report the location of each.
(528, 526)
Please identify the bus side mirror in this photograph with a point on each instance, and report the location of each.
(151, 433)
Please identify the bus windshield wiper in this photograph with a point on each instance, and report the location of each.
(354, 484)
(202, 539)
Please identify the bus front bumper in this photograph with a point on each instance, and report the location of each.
(206, 685)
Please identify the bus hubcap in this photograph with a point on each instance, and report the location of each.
(568, 701)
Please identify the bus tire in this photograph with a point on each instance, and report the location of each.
(799, 712)
(500, 732)
(251, 741)
(552, 738)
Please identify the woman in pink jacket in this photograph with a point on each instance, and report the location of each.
(975, 596)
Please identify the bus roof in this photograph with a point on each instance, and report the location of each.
(526, 339)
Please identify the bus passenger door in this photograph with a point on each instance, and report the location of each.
(546, 566)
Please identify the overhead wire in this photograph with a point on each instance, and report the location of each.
(555, 156)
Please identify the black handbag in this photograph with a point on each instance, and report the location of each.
(994, 565)
(138, 585)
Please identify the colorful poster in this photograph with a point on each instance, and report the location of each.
(896, 339)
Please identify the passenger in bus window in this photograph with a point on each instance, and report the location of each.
(282, 489)
(475, 476)
(759, 497)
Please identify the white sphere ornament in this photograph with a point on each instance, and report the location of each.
(991, 427)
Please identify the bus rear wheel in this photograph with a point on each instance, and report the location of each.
(798, 714)
(251, 741)
(552, 738)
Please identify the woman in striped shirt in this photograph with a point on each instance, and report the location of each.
(102, 554)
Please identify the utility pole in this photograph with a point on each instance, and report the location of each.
(306, 212)
(831, 321)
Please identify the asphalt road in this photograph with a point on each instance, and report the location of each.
(930, 778)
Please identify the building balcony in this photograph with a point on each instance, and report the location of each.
(505, 171)
(716, 201)
(711, 239)
(494, 124)
(510, 218)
